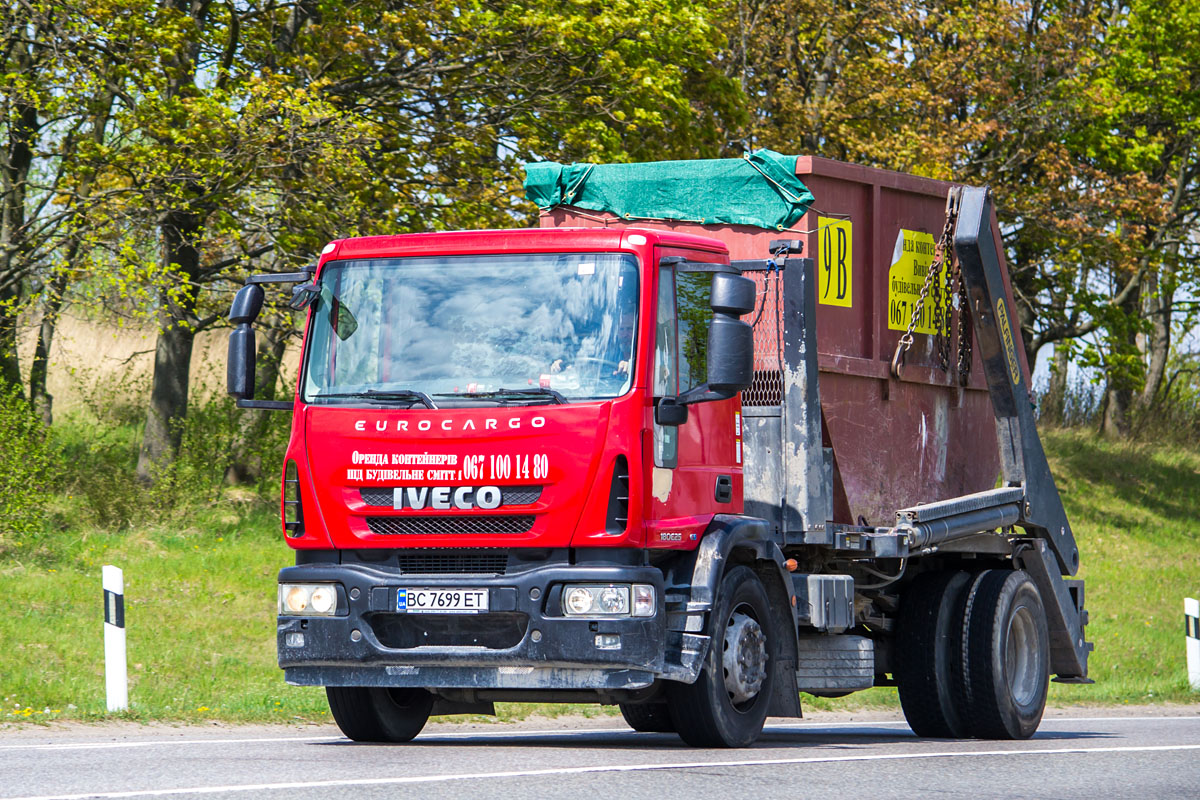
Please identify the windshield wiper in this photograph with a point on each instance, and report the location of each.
(376, 394)
(533, 392)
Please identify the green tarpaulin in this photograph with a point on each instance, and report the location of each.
(760, 189)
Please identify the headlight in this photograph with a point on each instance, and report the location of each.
(308, 600)
(612, 600)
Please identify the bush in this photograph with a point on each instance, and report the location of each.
(30, 466)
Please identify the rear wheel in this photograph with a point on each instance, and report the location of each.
(727, 705)
(368, 714)
(1007, 656)
(929, 654)
(648, 717)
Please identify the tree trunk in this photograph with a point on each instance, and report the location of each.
(41, 399)
(1122, 379)
(1118, 404)
(1158, 343)
(14, 168)
(173, 350)
(55, 291)
(1054, 404)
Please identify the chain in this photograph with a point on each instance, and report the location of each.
(965, 331)
(943, 246)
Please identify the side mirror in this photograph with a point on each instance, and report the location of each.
(734, 295)
(239, 374)
(730, 355)
(731, 341)
(670, 412)
(247, 304)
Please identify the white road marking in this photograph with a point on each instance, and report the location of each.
(538, 773)
(797, 727)
(153, 743)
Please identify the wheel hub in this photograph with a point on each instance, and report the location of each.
(745, 658)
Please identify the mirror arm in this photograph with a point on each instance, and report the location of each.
(273, 405)
(283, 277)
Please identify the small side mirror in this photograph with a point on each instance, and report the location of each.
(239, 374)
(302, 296)
(670, 412)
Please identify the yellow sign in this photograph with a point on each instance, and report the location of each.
(1006, 336)
(835, 262)
(910, 265)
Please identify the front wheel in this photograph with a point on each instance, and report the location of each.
(369, 714)
(727, 705)
(648, 717)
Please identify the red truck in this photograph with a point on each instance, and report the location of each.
(602, 461)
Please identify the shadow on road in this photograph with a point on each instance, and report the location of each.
(774, 738)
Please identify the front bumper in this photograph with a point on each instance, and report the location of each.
(521, 642)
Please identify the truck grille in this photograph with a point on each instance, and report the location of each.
(509, 495)
(433, 526)
(442, 562)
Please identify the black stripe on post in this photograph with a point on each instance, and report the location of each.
(114, 608)
(1191, 627)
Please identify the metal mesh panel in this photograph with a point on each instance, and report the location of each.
(509, 495)
(442, 562)
(767, 387)
(442, 525)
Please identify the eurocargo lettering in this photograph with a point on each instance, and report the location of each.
(689, 468)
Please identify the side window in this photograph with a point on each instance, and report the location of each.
(693, 291)
(666, 367)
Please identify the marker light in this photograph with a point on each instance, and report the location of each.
(643, 600)
(308, 600)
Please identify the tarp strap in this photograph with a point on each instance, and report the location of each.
(791, 197)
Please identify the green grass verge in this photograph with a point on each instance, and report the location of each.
(200, 601)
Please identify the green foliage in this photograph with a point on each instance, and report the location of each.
(29, 469)
(214, 436)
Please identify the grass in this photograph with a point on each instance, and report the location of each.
(1136, 513)
(200, 599)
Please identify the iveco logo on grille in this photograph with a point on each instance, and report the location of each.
(461, 497)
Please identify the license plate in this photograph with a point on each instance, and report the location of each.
(441, 601)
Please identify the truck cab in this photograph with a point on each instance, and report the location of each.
(506, 447)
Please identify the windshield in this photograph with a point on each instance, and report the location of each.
(543, 328)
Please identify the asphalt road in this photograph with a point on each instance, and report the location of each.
(1097, 755)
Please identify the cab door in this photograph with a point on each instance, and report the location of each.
(696, 470)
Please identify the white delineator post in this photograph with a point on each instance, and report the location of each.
(115, 677)
(1191, 619)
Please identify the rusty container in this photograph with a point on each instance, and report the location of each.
(891, 442)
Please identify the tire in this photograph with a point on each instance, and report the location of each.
(727, 705)
(648, 717)
(929, 654)
(368, 714)
(1006, 665)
